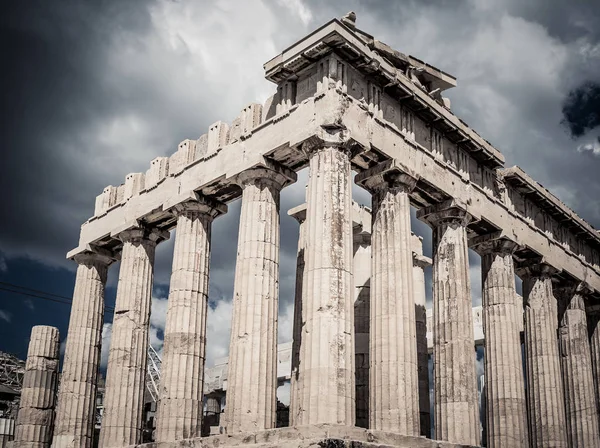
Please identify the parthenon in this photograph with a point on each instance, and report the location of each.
(345, 103)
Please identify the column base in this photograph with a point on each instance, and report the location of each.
(322, 436)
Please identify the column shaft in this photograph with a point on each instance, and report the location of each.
(506, 415)
(326, 364)
(127, 358)
(252, 377)
(179, 413)
(594, 332)
(35, 420)
(545, 397)
(455, 389)
(76, 409)
(299, 214)
(394, 380)
(419, 263)
(577, 374)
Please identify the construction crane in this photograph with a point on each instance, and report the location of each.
(153, 373)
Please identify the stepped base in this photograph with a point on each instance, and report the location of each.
(321, 436)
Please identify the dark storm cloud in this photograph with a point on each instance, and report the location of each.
(581, 109)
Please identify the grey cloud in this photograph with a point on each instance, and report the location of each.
(581, 109)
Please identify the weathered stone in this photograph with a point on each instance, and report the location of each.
(545, 396)
(35, 421)
(506, 415)
(179, 411)
(456, 411)
(126, 372)
(326, 368)
(76, 408)
(576, 362)
(252, 377)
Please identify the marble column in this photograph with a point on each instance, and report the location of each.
(594, 334)
(506, 414)
(299, 214)
(545, 396)
(76, 408)
(456, 410)
(362, 300)
(576, 363)
(326, 365)
(393, 376)
(252, 377)
(419, 264)
(179, 412)
(126, 372)
(35, 420)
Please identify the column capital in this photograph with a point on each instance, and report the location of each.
(535, 268)
(201, 204)
(453, 211)
(269, 172)
(138, 234)
(95, 256)
(298, 213)
(493, 243)
(421, 260)
(330, 137)
(390, 174)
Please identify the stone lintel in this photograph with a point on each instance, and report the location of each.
(298, 213)
(93, 254)
(144, 233)
(390, 173)
(199, 203)
(496, 242)
(452, 210)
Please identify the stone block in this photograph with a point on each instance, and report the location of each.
(157, 172)
(218, 135)
(134, 183)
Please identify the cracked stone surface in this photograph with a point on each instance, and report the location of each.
(545, 397)
(76, 408)
(576, 361)
(326, 367)
(179, 410)
(35, 421)
(252, 376)
(126, 372)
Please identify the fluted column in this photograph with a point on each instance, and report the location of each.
(179, 413)
(506, 414)
(456, 409)
(594, 333)
(126, 372)
(35, 420)
(76, 408)
(252, 377)
(362, 300)
(419, 264)
(393, 376)
(576, 363)
(298, 213)
(326, 365)
(545, 396)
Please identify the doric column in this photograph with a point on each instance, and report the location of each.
(252, 377)
(456, 410)
(362, 300)
(393, 378)
(35, 420)
(506, 414)
(326, 367)
(298, 213)
(545, 397)
(179, 412)
(576, 362)
(419, 264)
(76, 408)
(126, 372)
(594, 332)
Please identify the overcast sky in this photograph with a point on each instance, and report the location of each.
(94, 90)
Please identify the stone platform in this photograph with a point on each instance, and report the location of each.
(322, 436)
